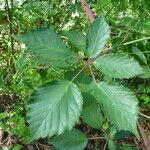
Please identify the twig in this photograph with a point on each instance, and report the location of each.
(10, 11)
(138, 40)
(144, 137)
(92, 74)
(136, 143)
(105, 145)
(148, 117)
(44, 146)
(124, 44)
(98, 138)
(37, 146)
(10, 19)
(87, 10)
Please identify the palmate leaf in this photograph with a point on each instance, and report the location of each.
(48, 48)
(70, 140)
(77, 39)
(118, 66)
(97, 37)
(92, 115)
(120, 106)
(55, 108)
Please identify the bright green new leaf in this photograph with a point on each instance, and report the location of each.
(77, 39)
(120, 106)
(97, 37)
(55, 108)
(70, 140)
(92, 115)
(118, 66)
(48, 48)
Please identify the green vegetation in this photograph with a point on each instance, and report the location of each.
(70, 83)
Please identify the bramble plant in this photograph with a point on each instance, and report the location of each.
(56, 107)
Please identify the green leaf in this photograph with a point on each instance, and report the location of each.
(85, 85)
(139, 53)
(120, 106)
(83, 81)
(77, 39)
(16, 147)
(146, 73)
(122, 134)
(112, 145)
(48, 48)
(92, 115)
(70, 140)
(55, 108)
(127, 147)
(88, 99)
(97, 37)
(118, 66)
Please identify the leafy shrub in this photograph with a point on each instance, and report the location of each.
(56, 106)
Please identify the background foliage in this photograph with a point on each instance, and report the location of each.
(20, 74)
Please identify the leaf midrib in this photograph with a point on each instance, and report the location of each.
(47, 114)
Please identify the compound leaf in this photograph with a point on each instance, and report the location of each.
(97, 37)
(48, 48)
(120, 106)
(118, 66)
(55, 108)
(70, 140)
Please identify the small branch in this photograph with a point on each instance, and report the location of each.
(92, 74)
(10, 19)
(108, 50)
(98, 138)
(144, 137)
(138, 40)
(37, 146)
(148, 117)
(105, 145)
(87, 10)
(10, 11)
(136, 143)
